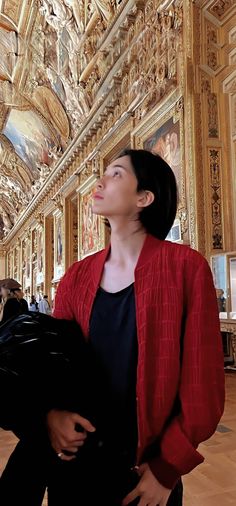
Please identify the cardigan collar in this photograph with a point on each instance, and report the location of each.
(150, 246)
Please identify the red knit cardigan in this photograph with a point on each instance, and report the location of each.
(180, 348)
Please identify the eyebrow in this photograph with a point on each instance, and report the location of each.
(117, 165)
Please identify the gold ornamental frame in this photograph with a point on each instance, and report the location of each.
(91, 227)
(58, 231)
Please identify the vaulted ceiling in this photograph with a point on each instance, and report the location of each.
(54, 71)
(42, 103)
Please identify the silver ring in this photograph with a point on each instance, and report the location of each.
(60, 455)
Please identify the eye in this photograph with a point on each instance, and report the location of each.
(116, 173)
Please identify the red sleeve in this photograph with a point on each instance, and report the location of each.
(63, 307)
(201, 389)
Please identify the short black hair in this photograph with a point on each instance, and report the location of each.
(155, 175)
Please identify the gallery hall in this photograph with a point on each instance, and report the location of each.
(118, 252)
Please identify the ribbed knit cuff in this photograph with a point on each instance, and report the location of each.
(164, 472)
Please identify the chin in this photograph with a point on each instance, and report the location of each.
(96, 210)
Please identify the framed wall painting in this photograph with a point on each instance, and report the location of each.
(23, 253)
(162, 133)
(165, 141)
(10, 264)
(28, 264)
(58, 246)
(175, 232)
(30, 136)
(91, 227)
(40, 249)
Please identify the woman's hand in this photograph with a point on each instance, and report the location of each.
(62, 434)
(150, 491)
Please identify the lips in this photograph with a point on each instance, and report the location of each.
(97, 196)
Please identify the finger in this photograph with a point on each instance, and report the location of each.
(141, 469)
(67, 458)
(131, 497)
(67, 442)
(85, 424)
(69, 453)
(144, 502)
(70, 450)
(63, 457)
(70, 444)
(81, 436)
(163, 502)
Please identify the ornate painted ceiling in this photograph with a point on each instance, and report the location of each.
(59, 60)
(42, 100)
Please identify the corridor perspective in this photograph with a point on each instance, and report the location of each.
(118, 248)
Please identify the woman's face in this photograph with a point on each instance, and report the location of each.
(116, 192)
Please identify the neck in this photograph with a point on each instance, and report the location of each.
(126, 242)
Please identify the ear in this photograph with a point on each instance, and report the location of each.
(145, 198)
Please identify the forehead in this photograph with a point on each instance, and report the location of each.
(123, 162)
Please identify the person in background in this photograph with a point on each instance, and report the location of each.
(221, 300)
(10, 305)
(44, 306)
(19, 294)
(33, 305)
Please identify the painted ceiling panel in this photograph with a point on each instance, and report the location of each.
(12, 9)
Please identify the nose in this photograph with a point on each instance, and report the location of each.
(100, 184)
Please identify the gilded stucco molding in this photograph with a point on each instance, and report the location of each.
(197, 193)
(125, 97)
(216, 198)
(228, 327)
(57, 200)
(2, 252)
(229, 85)
(221, 10)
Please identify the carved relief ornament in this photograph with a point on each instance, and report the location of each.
(216, 200)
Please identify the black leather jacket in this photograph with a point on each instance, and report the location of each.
(45, 363)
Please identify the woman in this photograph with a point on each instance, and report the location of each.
(33, 305)
(19, 295)
(141, 303)
(10, 305)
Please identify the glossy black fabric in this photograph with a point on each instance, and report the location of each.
(44, 363)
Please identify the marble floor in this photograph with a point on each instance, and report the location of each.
(213, 483)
